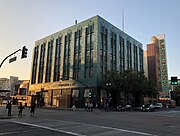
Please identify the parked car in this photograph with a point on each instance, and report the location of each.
(5, 101)
(124, 108)
(120, 108)
(137, 108)
(171, 104)
(158, 106)
(128, 108)
(148, 107)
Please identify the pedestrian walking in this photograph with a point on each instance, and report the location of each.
(32, 109)
(86, 106)
(21, 108)
(73, 107)
(91, 106)
(9, 107)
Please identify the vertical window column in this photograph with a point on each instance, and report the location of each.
(66, 66)
(113, 52)
(35, 62)
(135, 58)
(57, 59)
(89, 48)
(77, 53)
(41, 65)
(121, 54)
(141, 59)
(49, 61)
(128, 55)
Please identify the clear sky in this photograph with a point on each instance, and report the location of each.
(22, 22)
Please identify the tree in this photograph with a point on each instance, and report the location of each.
(111, 84)
(177, 94)
(128, 87)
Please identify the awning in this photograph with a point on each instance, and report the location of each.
(5, 91)
(86, 92)
(75, 93)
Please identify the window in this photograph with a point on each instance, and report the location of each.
(101, 58)
(66, 60)
(49, 61)
(41, 65)
(35, 62)
(57, 59)
(77, 54)
(89, 46)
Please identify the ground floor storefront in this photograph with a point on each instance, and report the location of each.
(64, 94)
(63, 98)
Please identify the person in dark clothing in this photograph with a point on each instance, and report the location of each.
(21, 108)
(9, 107)
(32, 109)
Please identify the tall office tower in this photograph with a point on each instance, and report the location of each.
(157, 63)
(145, 64)
(69, 65)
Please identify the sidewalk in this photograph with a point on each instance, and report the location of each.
(99, 110)
(70, 109)
(4, 112)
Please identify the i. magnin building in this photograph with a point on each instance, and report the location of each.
(68, 64)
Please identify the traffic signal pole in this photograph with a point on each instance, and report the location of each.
(9, 56)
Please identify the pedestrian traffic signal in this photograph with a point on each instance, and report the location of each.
(90, 94)
(174, 81)
(24, 52)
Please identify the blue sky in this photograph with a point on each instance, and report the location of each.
(22, 22)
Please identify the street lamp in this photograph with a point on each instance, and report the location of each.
(108, 84)
(108, 90)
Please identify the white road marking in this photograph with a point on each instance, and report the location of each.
(44, 127)
(15, 132)
(111, 128)
(76, 134)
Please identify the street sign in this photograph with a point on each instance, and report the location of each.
(12, 59)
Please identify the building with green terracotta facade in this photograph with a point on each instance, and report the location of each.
(70, 63)
(157, 63)
(163, 63)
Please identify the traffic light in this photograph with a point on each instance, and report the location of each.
(90, 94)
(24, 52)
(174, 81)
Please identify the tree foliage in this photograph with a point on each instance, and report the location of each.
(133, 86)
(176, 94)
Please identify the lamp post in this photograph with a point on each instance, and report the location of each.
(108, 85)
(108, 89)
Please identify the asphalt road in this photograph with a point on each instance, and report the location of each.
(12, 129)
(96, 123)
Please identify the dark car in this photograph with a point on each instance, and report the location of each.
(148, 107)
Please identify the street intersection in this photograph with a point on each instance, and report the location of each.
(54, 122)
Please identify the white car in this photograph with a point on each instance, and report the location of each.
(158, 106)
(5, 101)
